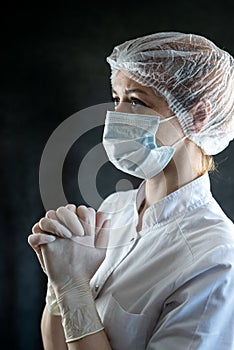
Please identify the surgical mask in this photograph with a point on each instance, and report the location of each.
(129, 141)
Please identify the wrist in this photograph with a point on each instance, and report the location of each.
(78, 311)
(51, 301)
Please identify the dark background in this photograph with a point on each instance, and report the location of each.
(52, 63)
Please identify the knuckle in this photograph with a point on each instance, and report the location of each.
(44, 224)
(81, 208)
(81, 211)
(60, 210)
(50, 213)
(71, 207)
(101, 214)
(41, 223)
(30, 239)
(35, 228)
(92, 211)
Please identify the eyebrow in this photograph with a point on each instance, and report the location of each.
(130, 91)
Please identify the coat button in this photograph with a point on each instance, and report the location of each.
(96, 287)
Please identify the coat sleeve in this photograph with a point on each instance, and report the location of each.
(200, 313)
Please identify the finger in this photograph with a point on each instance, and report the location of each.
(35, 240)
(36, 229)
(87, 217)
(81, 211)
(54, 227)
(71, 207)
(101, 217)
(70, 220)
(102, 238)
(51, 214)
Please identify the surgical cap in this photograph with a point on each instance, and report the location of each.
(184, 69)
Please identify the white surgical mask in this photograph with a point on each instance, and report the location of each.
(129, 141)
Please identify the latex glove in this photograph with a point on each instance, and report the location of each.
(69, 222)
(51, 301)
(40, 237)
(62, 228)
(66, 228)
(70, 264)
(35, 240)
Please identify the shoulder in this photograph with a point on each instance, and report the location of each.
(206, 239)
(210, 224)
(210, 236)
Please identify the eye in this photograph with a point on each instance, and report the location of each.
(137, 102)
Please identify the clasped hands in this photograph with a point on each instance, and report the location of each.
(70, 243)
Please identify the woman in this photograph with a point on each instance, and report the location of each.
(153, 268)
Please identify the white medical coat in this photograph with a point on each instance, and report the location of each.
(171, 285)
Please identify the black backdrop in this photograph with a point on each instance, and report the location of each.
(53, 65)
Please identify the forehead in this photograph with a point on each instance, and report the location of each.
(123, 82)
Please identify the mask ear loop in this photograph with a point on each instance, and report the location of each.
(167, 119)
(180, 140)
(177, 142)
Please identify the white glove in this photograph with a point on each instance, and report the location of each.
(70, 264)
(40, 237)
(51, 301)
(36, 240)
(56, 227)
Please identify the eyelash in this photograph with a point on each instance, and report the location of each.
(132, 99)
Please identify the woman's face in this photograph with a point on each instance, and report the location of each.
(131, 97)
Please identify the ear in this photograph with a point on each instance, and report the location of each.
(201, 114)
